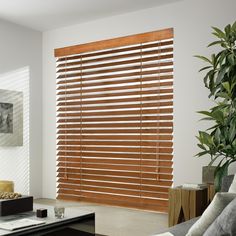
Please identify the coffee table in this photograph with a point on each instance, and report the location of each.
(76, 222)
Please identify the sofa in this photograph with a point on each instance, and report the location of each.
(182, 228)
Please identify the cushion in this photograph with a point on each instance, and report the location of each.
(225, 223)
(232, 188)
(164, 234)
(180, 229)
(219, 202)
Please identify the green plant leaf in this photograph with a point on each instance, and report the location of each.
(202, 153)
(227, 30)
(204, 68)
(226, 85)
(206, 113)
(231, 59)
(217, 135)
(234, 26)
(232, 133)
(215, 43)
(206, 138)
(202, 146)
(220, 172)
(219, 33)
(221, 75)
(203, 58)
(213, 160)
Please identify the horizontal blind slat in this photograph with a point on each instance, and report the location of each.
(110, 160)
(159, 98)
(113, 51)
(103, 180)
(126, 173)
(113, 65)
(66, 91)
(161, 156)
(115, 137)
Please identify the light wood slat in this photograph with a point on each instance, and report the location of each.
(116, 137)
(116, 42)
(75, 83)
(137, 204)
(94, 179)
(154, 90)
(116, 197)
(124, 69)
(119, 113)
(117, 63)
(163, 170)
(85, 190)
(118, 131)
(121, 118)
(160, 67)
(123, 88)
(163, 179)
(114, 190)
(163, 54)
(67, 171)
(117, 149)
(137, 161)
(117, 94)
(113, 51)
(160, 156)
(113, 107)
(131, 55)
(63, 183)
(87, 186)
(160, 73)
(117, 200)
(117, 143)
(160, 98)
(116, 125)
(166, 159)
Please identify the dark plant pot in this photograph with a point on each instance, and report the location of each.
(208, 176)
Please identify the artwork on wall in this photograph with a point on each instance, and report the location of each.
(11, 118)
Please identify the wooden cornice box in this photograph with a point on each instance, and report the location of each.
(14, 206)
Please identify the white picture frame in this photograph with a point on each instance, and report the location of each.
(11, 118)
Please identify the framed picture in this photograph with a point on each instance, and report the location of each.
(11, 118)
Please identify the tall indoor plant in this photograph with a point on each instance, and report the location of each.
(219, 141)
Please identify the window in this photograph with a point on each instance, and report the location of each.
(115, 120)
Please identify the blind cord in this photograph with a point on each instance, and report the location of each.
(81, 125)
(158, 89)
(66, 127)
(141, 116)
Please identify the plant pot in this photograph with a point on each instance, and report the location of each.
(208, 174)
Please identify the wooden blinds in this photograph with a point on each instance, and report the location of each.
(115, 121)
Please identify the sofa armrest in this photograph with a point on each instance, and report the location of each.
(182, 228)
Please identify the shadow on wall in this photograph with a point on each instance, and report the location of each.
(15, 161)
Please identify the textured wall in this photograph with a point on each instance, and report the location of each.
(14, 161)
(21, 69)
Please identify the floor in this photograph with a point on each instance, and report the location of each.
(118, 221)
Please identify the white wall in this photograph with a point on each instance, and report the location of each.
(21, 69)
(191, 20)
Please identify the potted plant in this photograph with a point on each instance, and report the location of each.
(219, 141)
